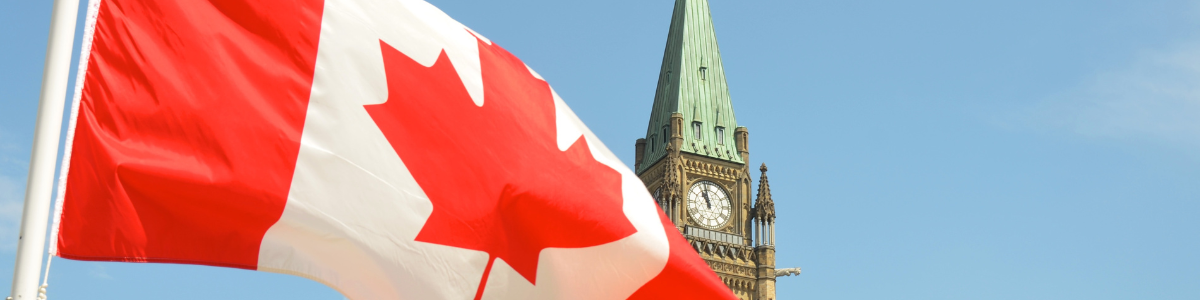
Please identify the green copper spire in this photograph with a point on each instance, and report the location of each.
(692, 83)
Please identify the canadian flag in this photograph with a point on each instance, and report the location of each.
(377, 146)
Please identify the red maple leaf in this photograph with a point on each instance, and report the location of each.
(495, 174)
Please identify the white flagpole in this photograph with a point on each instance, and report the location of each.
(31, 246)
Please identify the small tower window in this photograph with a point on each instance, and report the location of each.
(720, 135)
(653, 139)
(666, 134)
(703, 73)
(696, 129)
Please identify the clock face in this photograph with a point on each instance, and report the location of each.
(709, 205)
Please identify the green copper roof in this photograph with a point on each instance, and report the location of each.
(692, 82)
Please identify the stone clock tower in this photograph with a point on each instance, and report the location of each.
(695, 160)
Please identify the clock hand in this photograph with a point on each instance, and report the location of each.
(706, 201)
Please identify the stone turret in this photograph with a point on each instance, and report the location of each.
(764, 224)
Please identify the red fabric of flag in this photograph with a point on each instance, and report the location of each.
(188, 129)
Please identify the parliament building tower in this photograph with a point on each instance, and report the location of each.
(695, 160)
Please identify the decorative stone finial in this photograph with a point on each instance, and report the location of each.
(764, 206)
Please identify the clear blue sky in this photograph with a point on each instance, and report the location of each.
(919, 149)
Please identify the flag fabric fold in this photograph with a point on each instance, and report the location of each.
(377, 146)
